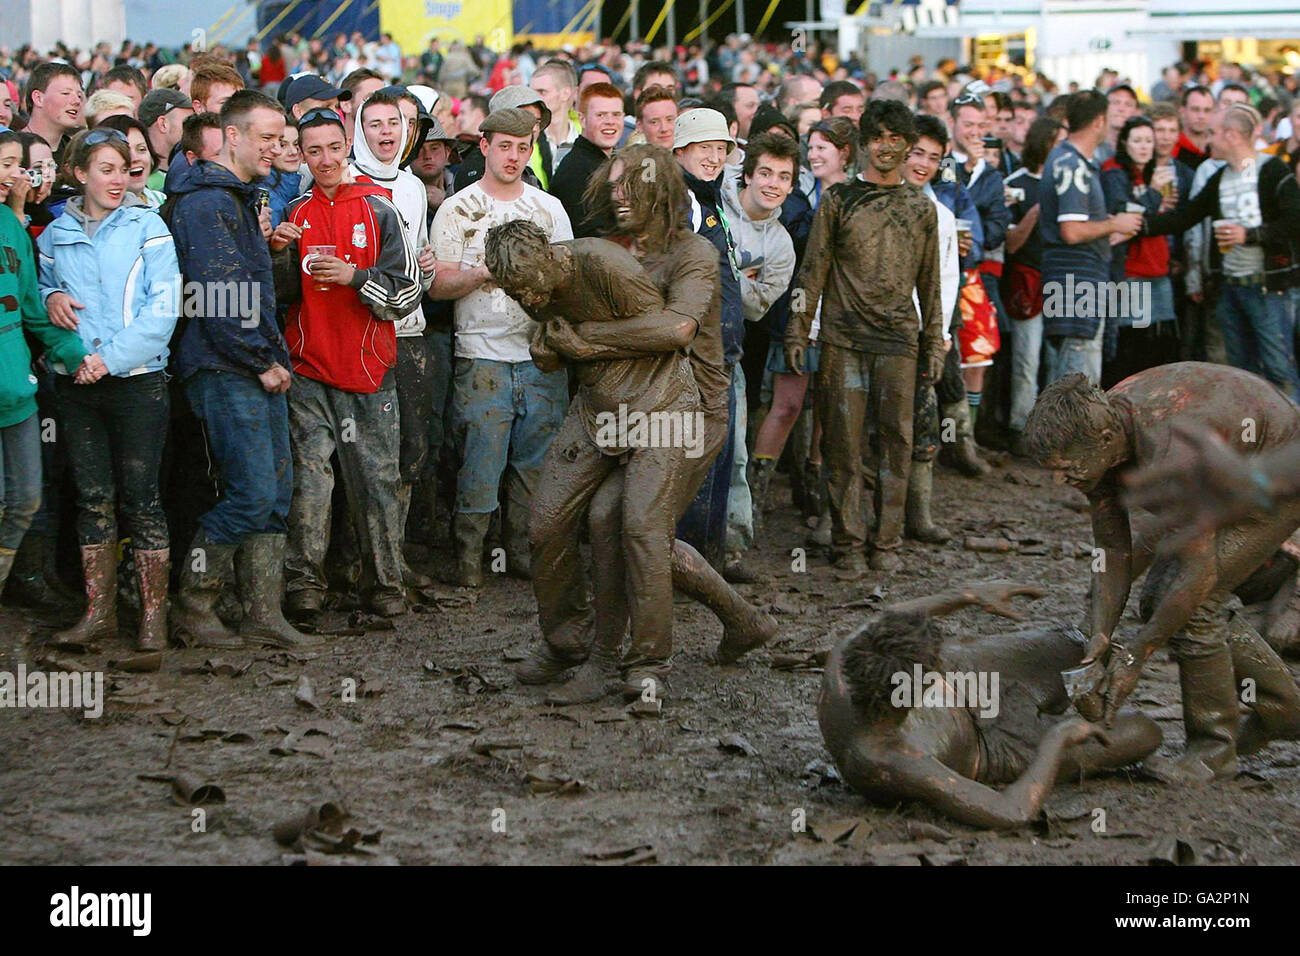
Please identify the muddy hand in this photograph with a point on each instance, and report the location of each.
(794, 355)
(995, 597)
(1076, 730)
(1122, 673)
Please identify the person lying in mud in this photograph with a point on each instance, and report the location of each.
(644, 374)
(987, 713)
(1089, 437)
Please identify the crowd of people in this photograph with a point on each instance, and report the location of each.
(277, 315)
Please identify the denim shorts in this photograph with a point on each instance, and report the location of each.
(776, 358)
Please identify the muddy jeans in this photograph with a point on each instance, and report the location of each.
(505, 415)
(115, 430)
(855, 389)
(20, 479)
(1073, 354)
(1026, 348)
(247, 430)
(364, 430)
(703, 525)
(1259, 332)
(439, 385)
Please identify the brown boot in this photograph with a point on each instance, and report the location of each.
(151, 573)
(1210, 716)
(207, 572)
(468, 532)
(961, 453)
(99, 566)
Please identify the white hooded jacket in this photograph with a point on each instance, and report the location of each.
(411, 200)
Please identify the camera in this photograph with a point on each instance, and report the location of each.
(992, 142)
(36, 176)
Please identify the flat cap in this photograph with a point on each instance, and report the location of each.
(512, 121)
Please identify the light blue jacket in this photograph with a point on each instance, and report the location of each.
(125, 274)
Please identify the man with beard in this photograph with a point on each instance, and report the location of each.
(650, 215)
(874, 240)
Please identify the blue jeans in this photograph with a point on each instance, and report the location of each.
(1026, 348)
(703, 525)
(1258, 329)
(740, 503)
(20, 479)
(248, 432)
(1073, 354)
(505, 415)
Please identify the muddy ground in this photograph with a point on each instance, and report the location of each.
(441, 751)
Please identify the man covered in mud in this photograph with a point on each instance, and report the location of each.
(989, 712)
(1089, 437)
(650, 212)
(874, 240)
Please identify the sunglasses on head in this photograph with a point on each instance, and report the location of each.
(320, 114)
(969, 99)
(104, 136)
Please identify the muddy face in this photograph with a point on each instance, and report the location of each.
(886, 151)
(1080, 467)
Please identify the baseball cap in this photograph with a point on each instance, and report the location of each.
(161, 102)
(513, 121)
(512, 97)
(701, 125)
(312, 87)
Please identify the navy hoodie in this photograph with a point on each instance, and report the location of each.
(218, 241)
(706, 219)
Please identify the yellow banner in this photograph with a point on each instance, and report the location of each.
(413, 23)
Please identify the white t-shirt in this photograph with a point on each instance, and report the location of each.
(949, 264)
(1239, 200)
(490, 324)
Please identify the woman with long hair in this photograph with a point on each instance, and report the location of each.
(143, 159)
(1148, 326)
(21, 311)
(108, 270)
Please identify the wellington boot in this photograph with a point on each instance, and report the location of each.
(543, 664)
(759, 475)
(208, 571)
(1210, 717)
(152, 574)
(468, 533)
(920, 488)
(99, 565)
(961, 453)
(259, 570)
(596, 678)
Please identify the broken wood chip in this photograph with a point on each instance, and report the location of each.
(217, 666)
(736, 744)
(987, 545)
(836, 829)
(305, 695)
(139, 663)
(625, 856)
(545, 780)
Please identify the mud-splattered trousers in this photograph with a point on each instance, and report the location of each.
(641, 563)
(247, 430)
(703, 525)
(115, 429)
(20, 479)
(415, 399)
(439, 429)
(363, 428)
(504, 416)
(925, 419)
(854, 389)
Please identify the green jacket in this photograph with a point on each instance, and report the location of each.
(21, 308)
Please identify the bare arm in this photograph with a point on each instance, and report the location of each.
(968, 801)
(1112, 564)
(994, 597)
(1018, 234)
(1126, 223)
(450, 281)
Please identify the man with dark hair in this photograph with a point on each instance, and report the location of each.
(1088, 437)
(341, 336)
(1121, 103)
(875, 240)
(933, 99)
(1076, 232)
(359, 84)
(236, 371)
(54, 99)
(201, 138)
(1196, 107)
(904, 715)
(655, 73)
(163, 114)
(744, 101)
(600, 107)
(842, 98)
(128, 81)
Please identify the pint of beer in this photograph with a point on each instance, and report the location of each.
(1218, 227)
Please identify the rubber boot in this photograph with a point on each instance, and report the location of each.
(759, 474)
(647, 682)
(468, 533)
(597, 677)
(814, 481)
(1210, 717)
(194, 622)
(259, 570)
(920, 487)
(28, 584)
(7, 556)
(514, 531)
(99, 566)
(152, 574)
(961, 453)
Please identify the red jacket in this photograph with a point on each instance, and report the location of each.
(344, 336)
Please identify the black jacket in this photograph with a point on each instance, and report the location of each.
(570, 181)
(707, 219)
(1279, 234)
